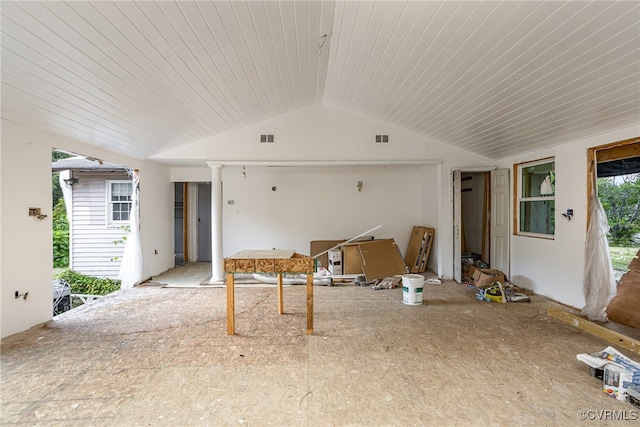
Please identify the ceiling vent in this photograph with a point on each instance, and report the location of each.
(267, 138)
(382, 139)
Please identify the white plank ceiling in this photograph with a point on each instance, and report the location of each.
(492, 78)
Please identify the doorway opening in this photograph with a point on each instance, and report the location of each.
(615, 169)
(475, 226)
(618, 188)
(480, 221)
(192, 222)
(92, 207)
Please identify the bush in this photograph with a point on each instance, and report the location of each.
(89, 285)
(60, 235)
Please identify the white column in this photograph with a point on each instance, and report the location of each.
(217, 267)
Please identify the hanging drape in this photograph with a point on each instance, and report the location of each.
(599, 280)
(131, 265)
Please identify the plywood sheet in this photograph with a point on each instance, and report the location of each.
(381, 258)
(296, 263)
(624, 307)
(635, 264)
(419, 248)
(351, 259)
(264, 253)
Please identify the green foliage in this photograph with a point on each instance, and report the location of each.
(122, 240)
(620, 198)
(60, 235)
(81, 284)
(56, 191)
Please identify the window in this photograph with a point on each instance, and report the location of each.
(118, 201)
(536, 198)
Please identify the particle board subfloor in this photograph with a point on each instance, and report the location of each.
(158, 356)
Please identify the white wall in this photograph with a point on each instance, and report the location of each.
(554, 268)
(26, 242)
(319, 203)
(409, 195)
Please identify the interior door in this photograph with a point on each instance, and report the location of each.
(204, 222)
(457, 223)
(500, 220)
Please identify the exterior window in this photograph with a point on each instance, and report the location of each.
(536, 198)
(118, 201)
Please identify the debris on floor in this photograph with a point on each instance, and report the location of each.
(375, 258)
(620, 375)
(388, 283)
(362, 281)
(491, 284)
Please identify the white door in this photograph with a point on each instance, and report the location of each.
(457, 222)
(500, 220)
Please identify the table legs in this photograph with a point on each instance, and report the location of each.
(231, 321)
(280, 297)
(309, 304)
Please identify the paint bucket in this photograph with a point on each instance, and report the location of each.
(412, 285)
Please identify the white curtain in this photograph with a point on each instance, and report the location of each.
(599, 280)
(131, 265)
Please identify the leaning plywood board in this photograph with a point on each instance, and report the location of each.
(625, 307)
(381, 258)
(419, 248)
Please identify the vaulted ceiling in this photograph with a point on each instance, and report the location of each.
(492, 78)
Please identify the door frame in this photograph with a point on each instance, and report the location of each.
(612, 151)
(457, 217)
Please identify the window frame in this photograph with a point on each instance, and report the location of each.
(519, 198)
(109, 203)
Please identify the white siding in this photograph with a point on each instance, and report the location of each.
(93, 251)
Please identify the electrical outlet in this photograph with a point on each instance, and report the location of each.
(35, 212)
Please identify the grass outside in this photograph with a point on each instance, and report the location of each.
(621, 258)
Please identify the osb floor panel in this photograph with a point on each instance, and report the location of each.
(155, 356)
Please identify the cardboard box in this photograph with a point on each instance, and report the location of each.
(335, 261)
(616, 380)
(483, 277)
(319, 246)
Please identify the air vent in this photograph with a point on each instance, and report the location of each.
(382, 139)
(267, 138)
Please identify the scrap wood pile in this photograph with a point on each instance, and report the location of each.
(376, 263)
(491, 285)
(620, 375)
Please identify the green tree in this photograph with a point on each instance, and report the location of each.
(60, 221)
(60, 235)
(620, 198)
(56, 191)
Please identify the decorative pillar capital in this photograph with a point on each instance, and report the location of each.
(214, 165)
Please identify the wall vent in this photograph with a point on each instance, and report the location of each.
(267, 138)
(382, 139)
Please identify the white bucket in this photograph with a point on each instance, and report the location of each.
(412, 285)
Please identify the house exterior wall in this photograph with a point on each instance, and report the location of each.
(93, 251)
(555, 268)
(25, 242)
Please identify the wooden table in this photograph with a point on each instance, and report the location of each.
(277, 262)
